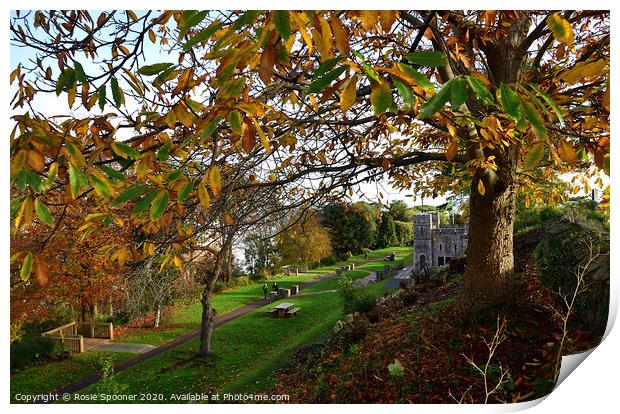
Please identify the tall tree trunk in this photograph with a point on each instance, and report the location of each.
(490, 262)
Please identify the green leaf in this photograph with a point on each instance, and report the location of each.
(325, 67)
(321, 83)
(144, 202)
(164, 151)
(184, 191)
(16, 205)
(26, 269)
(174, 175)
(381, 97)
(282, 22)
(125, 151)
(370, 72)
(154, 69)
(419, 78)
(43, 213)
(101, 187)
(404, 91)
(549, 101)
(234, 119)
(607, 165)
(510, 102)
(245, 19)
(101, 97)
(427, 58)
(535, 119)
(112, 173)
(232, 88)
(130, 193)
(534, 155)
(75, 180)
(203, 35)
(458, 92)
(396, 369)
(79, 73)
(116, 92)
(189, 19)
(208, 131)
(159, 205)
(436, 102)
(480, 90)
(65, 80)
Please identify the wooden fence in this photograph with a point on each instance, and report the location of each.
(72, 334)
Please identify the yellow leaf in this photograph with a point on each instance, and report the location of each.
(228, 218)
(561, 28)
(36, 160)
(481, 188)
(203, 196)
(584, 70)
(567, 152)
(71, 96)
(349, 94)
(302, 30)
(178, 263)
(262, 137)
(315, 106)
(215, 180)
(369, 19)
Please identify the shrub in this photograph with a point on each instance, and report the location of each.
(109, 384)
(355, 300)
(241, 281)
(32, 349)
(329, 261)
(219, 286)
(345, 256)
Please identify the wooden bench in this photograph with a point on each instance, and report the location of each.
(292, 312)
(272, 311)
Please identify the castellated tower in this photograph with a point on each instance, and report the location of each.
(436, 245)
(423, 226)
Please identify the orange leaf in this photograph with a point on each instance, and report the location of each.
(481, 188)
(248, 135)
(451, 150)
(341, 34)
(267, 62)
(40, 270)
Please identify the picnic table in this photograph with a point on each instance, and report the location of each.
(284, 310)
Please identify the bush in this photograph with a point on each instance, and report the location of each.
(355, 300)
(329, 261)
(345, 256)
(241, 281)
(219, 286)
(31, 350)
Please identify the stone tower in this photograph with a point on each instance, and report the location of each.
(423, 226)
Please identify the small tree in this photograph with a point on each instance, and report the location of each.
(306, 242)
(387, 232)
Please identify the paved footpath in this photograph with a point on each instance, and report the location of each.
(220, 320)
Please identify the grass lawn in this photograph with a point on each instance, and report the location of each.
(48, 377)
(186, 318)
(249, 350)
(332, 283)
